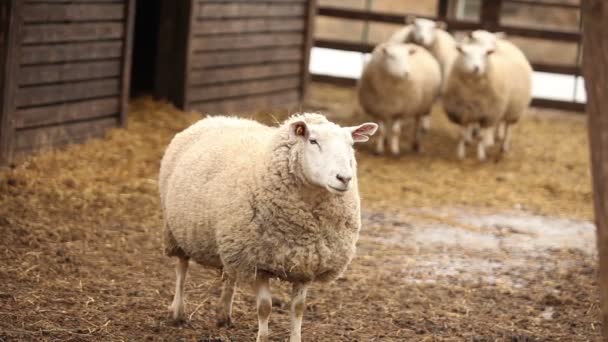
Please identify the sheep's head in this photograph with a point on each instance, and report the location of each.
(325, 155)
(394, 58)
(485, 38)
(423, 31)
(473, 59)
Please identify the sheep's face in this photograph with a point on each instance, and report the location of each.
(326, 157)
(473, 58)
(395, 58)
(423, 32)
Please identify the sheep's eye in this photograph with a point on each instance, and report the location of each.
(313, 142)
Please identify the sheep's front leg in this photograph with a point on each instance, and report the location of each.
(421, 126)
(264, 304)
(466, 136)
(486, 139)
(381, 138)
(225, 307)
(297, 307)
(177, 307)
(506, 141)
(395, 135)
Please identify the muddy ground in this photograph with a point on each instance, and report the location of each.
(449, 250)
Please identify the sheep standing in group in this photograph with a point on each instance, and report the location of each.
(489, 85)
(432, 36)
(258, 202)
(400, 81)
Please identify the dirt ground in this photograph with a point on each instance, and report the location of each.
(449, 250)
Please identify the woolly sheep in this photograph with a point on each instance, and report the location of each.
(400, 81)
(260, 202)
(432, 36)
(488, 87)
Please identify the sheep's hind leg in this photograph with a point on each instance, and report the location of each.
(486, 139)
(177, 307)
(264, 305)
(421, 126)
(225, 307)
(395, 135)
(506, 142)
(466, 137)
(297, 307)
(380, 140)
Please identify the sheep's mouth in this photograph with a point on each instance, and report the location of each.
(341, 190)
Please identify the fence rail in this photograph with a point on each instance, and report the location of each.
(490, 15)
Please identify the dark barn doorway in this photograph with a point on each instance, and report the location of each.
(145, 47)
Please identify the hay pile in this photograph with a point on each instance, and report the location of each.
(80, 254)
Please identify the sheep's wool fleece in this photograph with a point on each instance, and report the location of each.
(384, 96)
(233, 198)
(504, 92)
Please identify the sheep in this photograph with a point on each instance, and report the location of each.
(484, 37)
(400, 81)
(489, 86)
(432, 36)
(260, 202)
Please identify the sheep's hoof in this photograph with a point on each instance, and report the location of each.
(224, 322)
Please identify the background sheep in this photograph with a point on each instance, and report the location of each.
(488, 85)
(400, 81)
(259, 202)
(433, 37)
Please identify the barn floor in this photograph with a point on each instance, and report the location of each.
(449, 250)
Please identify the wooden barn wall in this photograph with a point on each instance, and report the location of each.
(242, 55)
(71, 75)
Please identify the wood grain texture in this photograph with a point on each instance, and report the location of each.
(306, 49)
(225, 26)
(243, 73)
(71, 52)
(51, 73)
(228, 9)
(127, 55)
(10, 30)
(595, 71)
(55, 136)
(236, 89)
(249, 56)
(58, 12)
(74, 91)
(56, 33)
(244, 41)
(67, 112)
(284, 100)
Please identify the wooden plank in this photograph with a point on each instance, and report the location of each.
(205, 10)
(545, 3)
(223, 91)
(70, 52)
(595, 72)
(66, 112)
(55, 33)
(10, 28)
(306, 49)
(54, 136)
(223, 26)
(39, 74)
(490, 14)
(240, 41)
(70, 1)
(246, 72)
(249, 56)
(250, 104)
(127, 55)
(57, 93)
(57, 12)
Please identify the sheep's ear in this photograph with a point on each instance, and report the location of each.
(412, 50)
(490, 51)
(299, 129)
(500, 35)
(362, 132)
(441, 25)
(409, 19)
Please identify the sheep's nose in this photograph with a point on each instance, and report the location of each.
(476, 69)
(345, 180)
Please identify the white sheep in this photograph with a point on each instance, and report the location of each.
(260, 202)
(488, 86)
(432, 36)
(400, 81)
